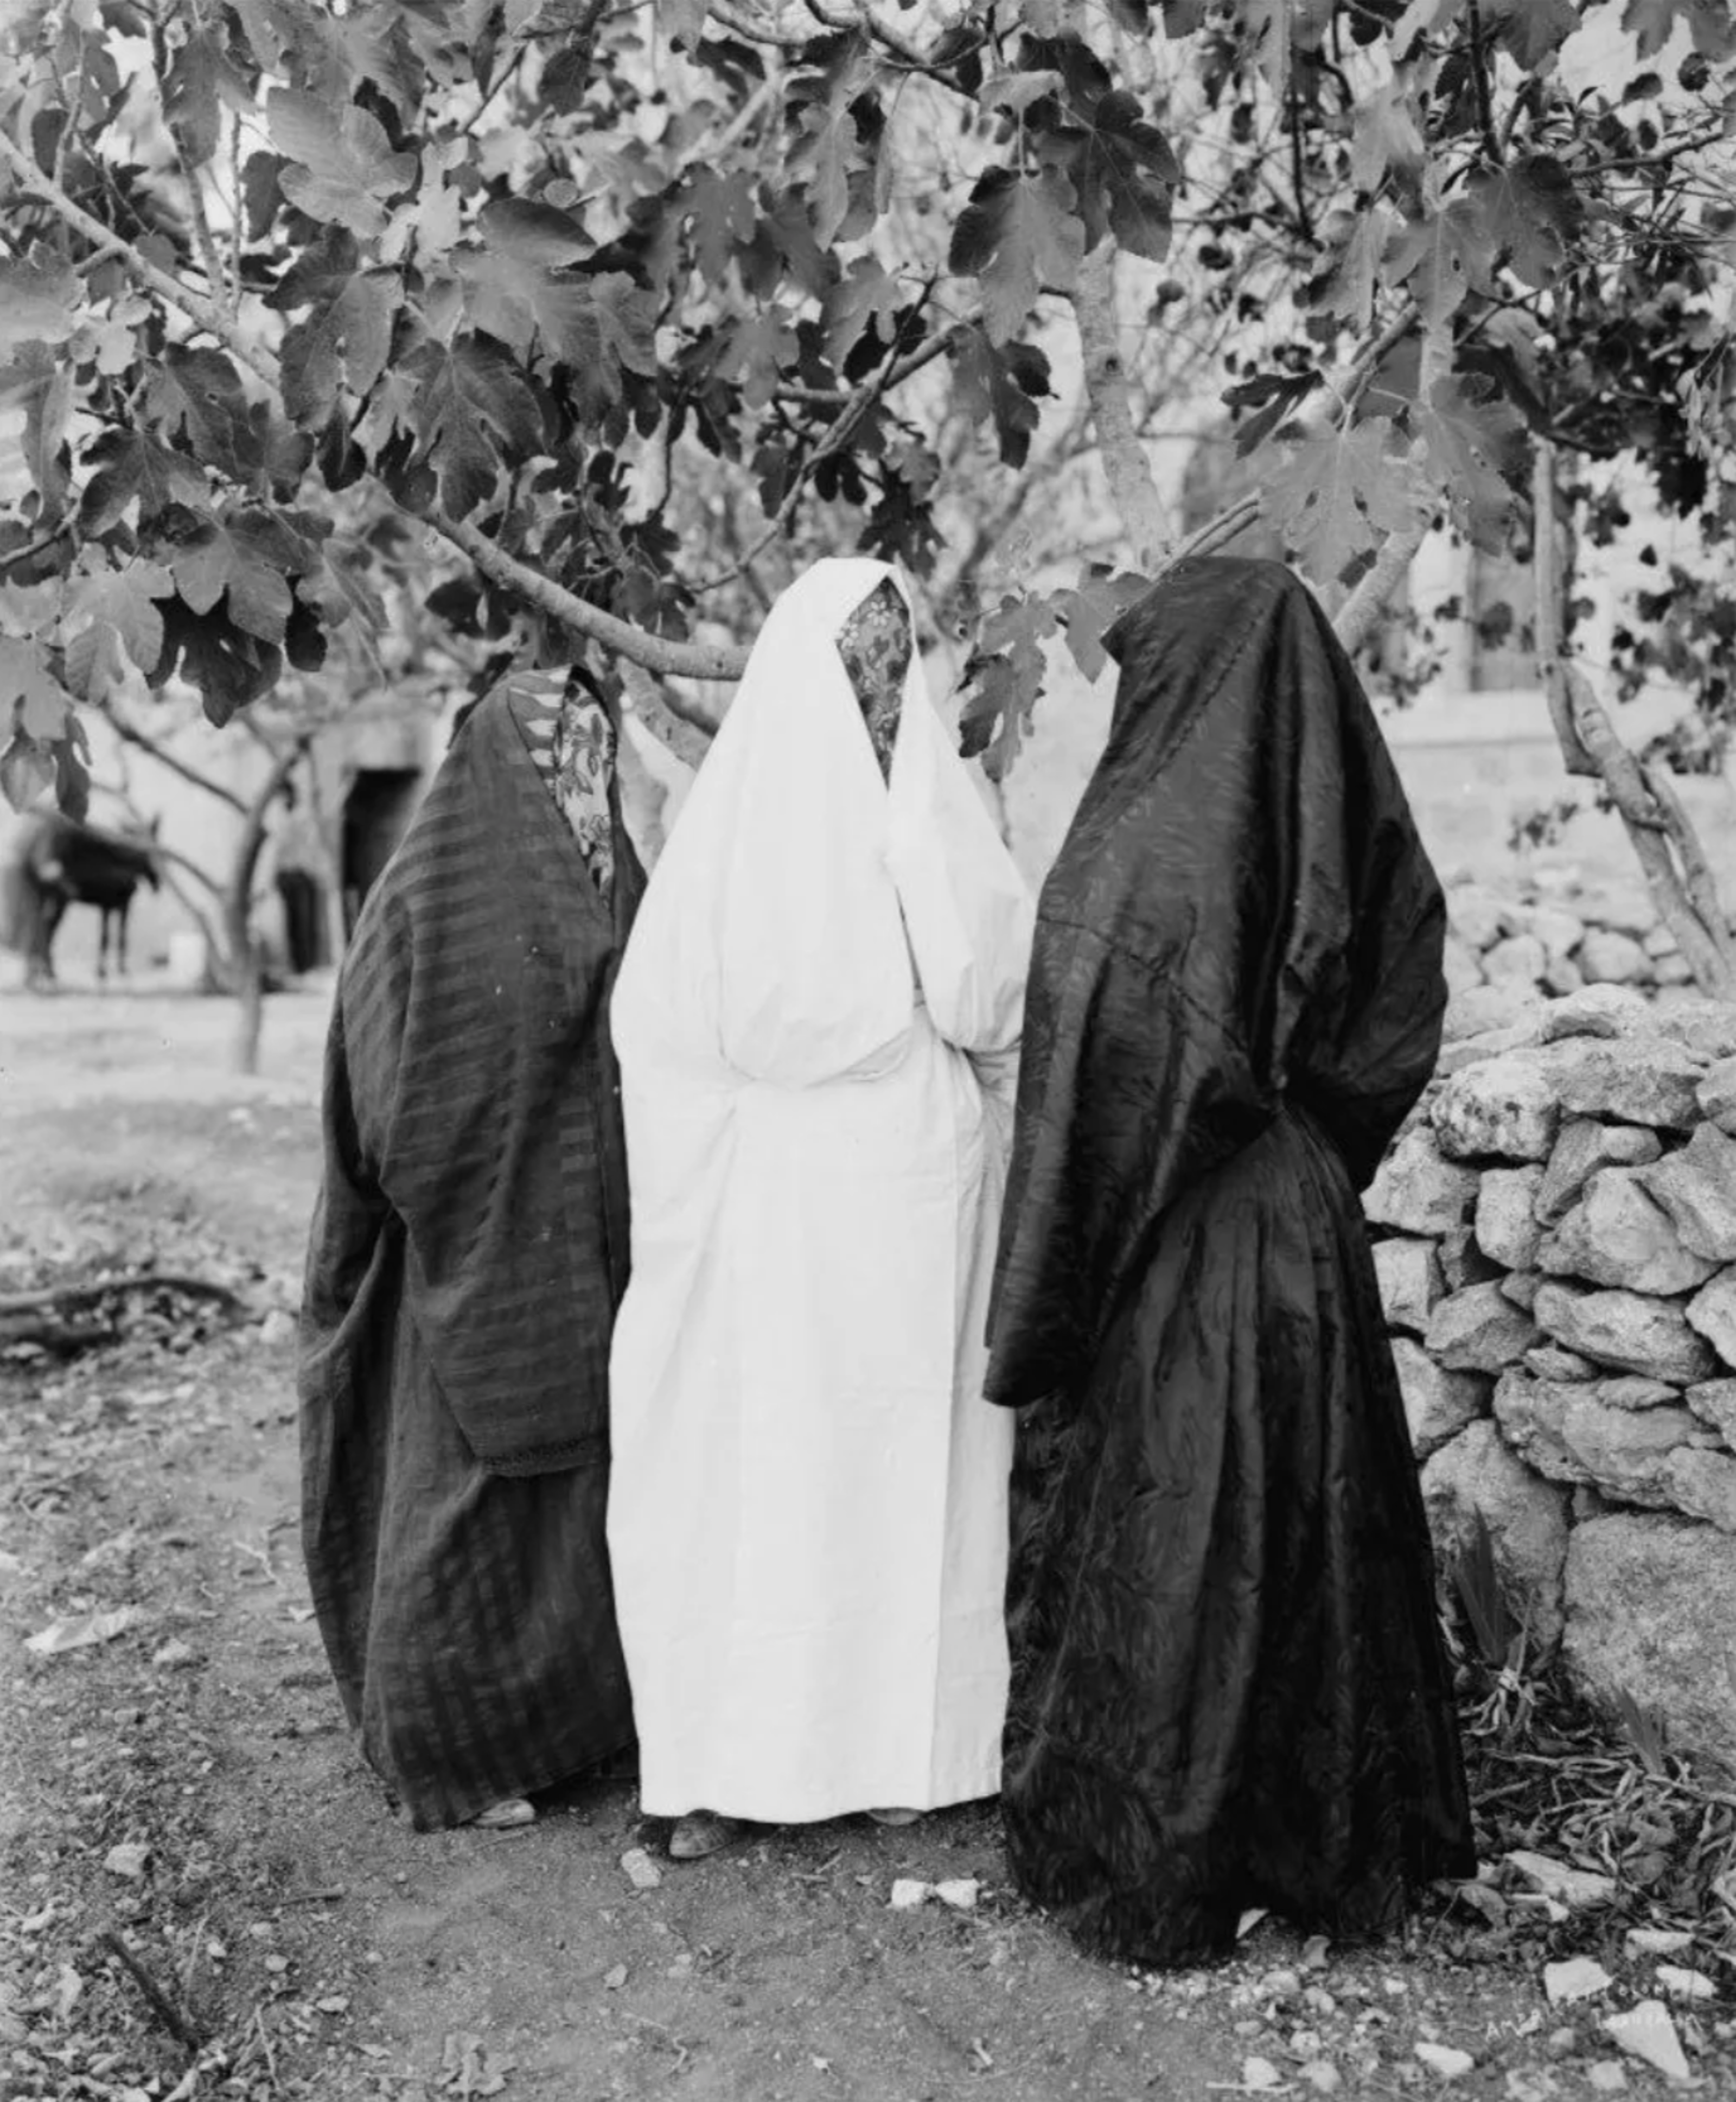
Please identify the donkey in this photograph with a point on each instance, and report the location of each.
(64, 862)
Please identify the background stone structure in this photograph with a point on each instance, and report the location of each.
(1556, 1245)
(1552, 933)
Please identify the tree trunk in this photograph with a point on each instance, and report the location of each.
(247, 957)
(1126, 465)
(329, 826)
(1671, 854)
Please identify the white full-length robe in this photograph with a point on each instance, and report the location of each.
(818, 1021)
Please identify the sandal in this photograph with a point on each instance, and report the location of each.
(896, 1816)
(703, 1832)
(511, 1810)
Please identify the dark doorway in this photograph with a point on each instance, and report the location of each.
(376, 814)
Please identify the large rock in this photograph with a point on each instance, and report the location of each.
(1716, 1094)
(1463, 1262)
(1637, 1079)
(1714, 1402)
(1416, 1191)
(1495, 1043)
(1616, 1234)
(1520, 1286)
(1609, 958)
(1712, 1311)
(1549, 1361)
(1477, 915)
(1565, 1433)
(1408, 1275)
(1560, 932)
(1627, 1581)
(1708, 1027)
(1520, 960)
(1697, 1187)
(1668, 998)
(1584, 1146)
(1632, 1390)
(1599, 1010)
(1479, 1330)
(1474, 1476)
(1438, 1404)
(1505, 1108)
(1486, 1008)
(1460, 965)
(1506, 1228)
(1702, 1484)
(1627, 907)
(1626, 1330)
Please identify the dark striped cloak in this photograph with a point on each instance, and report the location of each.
(468, 1251)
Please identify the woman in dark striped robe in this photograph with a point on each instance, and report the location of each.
(467, 1254)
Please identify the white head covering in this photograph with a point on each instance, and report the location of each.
(773, 933)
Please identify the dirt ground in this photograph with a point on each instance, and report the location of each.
(187, 1788)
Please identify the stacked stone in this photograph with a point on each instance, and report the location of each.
(1556, 1254)
(1560, 935)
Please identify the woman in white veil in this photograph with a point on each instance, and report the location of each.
(817, 1023)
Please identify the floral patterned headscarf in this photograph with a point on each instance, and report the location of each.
(572, 739)
(876, 644)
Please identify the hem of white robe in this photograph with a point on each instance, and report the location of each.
(776, 1806)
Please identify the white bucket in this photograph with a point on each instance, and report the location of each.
(186, 958)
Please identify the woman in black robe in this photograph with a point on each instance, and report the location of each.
(1230, 1687)
(468, 1253)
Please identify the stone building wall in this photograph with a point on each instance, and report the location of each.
(1556, 1245)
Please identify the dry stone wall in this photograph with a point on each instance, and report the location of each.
(1556, 934)
(1555, 1247)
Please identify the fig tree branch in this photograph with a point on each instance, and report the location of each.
(656, 653)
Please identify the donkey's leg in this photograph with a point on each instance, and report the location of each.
(51, 910)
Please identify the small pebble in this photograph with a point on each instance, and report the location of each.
(1680, 1984)
(640, 1870)
(1657, 1941)
(1442, 2058)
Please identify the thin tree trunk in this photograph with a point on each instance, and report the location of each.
(330, 827)
(246, 958)
(1671, 855)
(1132, 487)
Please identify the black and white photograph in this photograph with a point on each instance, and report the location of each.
(867, 1050)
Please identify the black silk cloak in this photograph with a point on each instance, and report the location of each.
(1230, 1687)
(468, 1252)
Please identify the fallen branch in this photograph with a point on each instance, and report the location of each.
(62, 1338)
(179, 2026)
(87, 1293)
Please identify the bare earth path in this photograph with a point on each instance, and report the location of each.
(188, 1785)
